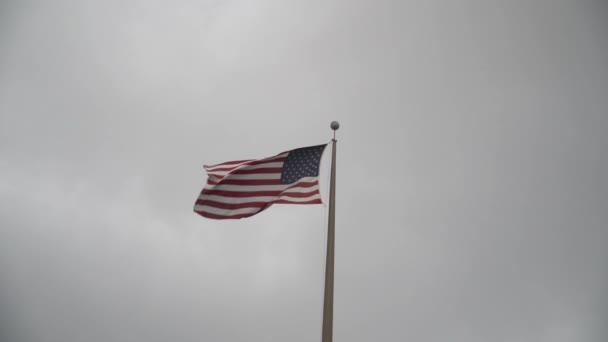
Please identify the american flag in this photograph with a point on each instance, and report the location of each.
(243, 188)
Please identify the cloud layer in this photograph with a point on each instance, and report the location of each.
(472, 169)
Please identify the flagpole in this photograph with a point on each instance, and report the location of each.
(328, 298)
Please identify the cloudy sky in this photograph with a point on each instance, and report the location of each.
(472, 161)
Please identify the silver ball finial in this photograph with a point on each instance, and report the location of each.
(335, 125)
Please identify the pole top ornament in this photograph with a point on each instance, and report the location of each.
(335, 125)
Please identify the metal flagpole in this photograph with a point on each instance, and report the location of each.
(328, 301)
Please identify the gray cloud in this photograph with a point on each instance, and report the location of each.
(471, 164)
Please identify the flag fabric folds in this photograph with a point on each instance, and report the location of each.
(243, 188)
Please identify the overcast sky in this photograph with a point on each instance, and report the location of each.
(472, 190)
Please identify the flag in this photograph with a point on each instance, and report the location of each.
(243, 188)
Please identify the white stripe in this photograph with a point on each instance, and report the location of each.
(261, 166)
(257, 176)
(233, 212)
(225, 212)
(245, 188)
(223, 199)
(234, 166)
(302, 190)
(299, 199)
(248, 167)
(223, 165)
(218, 173)
(253, 188)
(248, 188)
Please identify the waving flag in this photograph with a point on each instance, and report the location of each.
(243, 188)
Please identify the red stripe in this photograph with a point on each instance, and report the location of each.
(298, 194)
(268, 160)
(242, 194)
(315, 201)
(246, 182)
(222, 169)
(232, 193)
(215, 175)
(239, 216)
(291, 186)
(230, 163)
(284, 199)
(221, 205)
(243, 163)
(246, 171)
(222, 217)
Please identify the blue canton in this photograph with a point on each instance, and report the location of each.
(302, 162)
